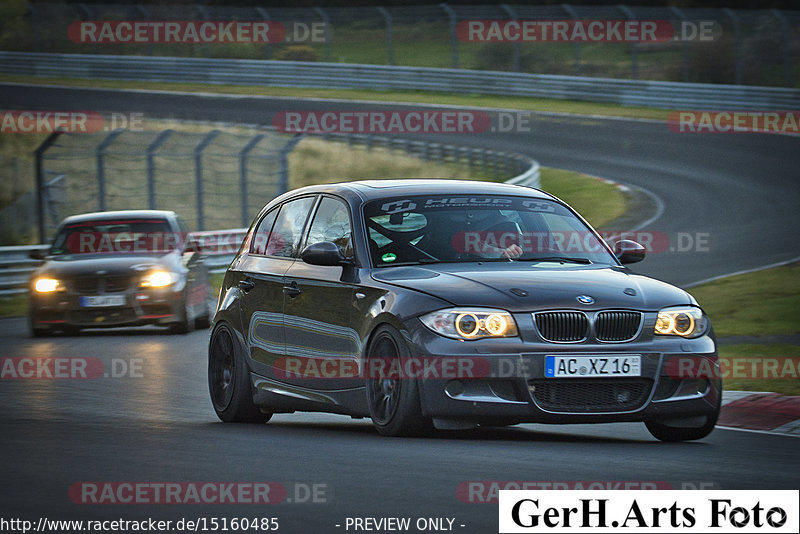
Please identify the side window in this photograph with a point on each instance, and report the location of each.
(288, 229)
(258, 244)
(332, 223)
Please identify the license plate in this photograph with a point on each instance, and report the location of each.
(592, 366)
(103, 301)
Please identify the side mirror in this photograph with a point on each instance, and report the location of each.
(36, 255)
(323, 253)
(628, 251)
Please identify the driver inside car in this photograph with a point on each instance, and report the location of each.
(489, 228)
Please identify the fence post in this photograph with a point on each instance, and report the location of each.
(576, 46)
(737, 45)
(515, 45)
(39, 154)
(684, 46)
(203, 10)
(265, 16)
(634, 47)
(325, 19)
(243, 175)
(198, 175)
(151, 167)
(453, 37)
(785, 28)
(389, 34)
(145, 16)
(101, 168)
(283, 157)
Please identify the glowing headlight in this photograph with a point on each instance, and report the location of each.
(46, 285)
(471, 323)
(158, 279)
(681, 321)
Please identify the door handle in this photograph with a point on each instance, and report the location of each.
(292, 290)
(246, 284)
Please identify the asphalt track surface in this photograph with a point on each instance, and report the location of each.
(158, 426)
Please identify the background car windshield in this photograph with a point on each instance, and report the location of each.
(463, 228)
(128, 236)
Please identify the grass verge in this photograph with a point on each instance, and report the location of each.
(789, 384)
(598, 201)
(754, 304)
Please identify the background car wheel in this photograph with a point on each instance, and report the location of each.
(671, 433)
(393, 401)
(70, 330)
(40, 332)
(229, 381)
(183, 326)
(204, 321)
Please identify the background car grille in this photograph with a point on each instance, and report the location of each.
(100, 284)
(116, 284)
(563, 326)
(590, 395)
(617, 325)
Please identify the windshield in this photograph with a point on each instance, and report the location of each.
(468, 228)
(124, 236)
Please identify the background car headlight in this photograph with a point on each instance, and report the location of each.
(158, 279)
(472, 323)
(681, 321)
(46, 285)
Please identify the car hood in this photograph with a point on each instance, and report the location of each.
(523, 286)
(112, 264)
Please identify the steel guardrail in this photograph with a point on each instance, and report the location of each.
(647, 93)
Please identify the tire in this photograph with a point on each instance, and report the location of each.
(673, 434)
(40, 331)
(70, 330)
(393, 402)
(204, 321)
(183, 326)
(229, 380)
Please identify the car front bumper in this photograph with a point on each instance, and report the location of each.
(506, 381)
(67, 309)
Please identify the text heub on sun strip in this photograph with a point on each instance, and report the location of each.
(718, 511)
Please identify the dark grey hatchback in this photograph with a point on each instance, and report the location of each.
(446, 304)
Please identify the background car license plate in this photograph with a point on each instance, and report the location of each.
(103, 301)
(592, 366)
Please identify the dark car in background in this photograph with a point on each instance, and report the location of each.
(448, 304)
(120, 268)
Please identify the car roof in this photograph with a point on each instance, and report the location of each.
(112, 215)
(374, 189)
